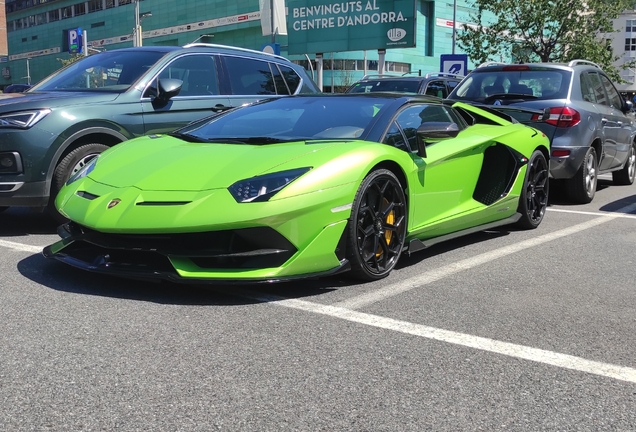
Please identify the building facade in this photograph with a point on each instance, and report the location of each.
(37, 34)
(624, 46)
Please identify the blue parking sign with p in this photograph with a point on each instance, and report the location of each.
(75, 41)
(453, 63)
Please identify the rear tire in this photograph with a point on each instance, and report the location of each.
(69, 165)
(582, 187)
(377, 228)
(627, 174)
(534, 197)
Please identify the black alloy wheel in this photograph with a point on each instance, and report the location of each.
(534, 196)
(377, 228)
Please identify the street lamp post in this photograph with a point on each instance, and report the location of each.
(137, 39)
(454, 25)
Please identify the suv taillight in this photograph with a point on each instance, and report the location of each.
(562, 117)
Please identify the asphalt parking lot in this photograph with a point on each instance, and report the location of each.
(501, 330)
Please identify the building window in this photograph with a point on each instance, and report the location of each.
(95, 5)
(40, 18)
(630, 26)
(80, 9)
(630, 44)
(67, 12)
(54, 15)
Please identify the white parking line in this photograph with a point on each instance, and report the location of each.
(21, 247)
(558, 210)
(468, 263)
(484, 344)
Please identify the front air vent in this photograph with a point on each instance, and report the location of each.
(89, 196)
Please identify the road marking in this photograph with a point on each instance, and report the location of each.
(565, 361)
(468, 263)
(21, 247)
(628, 216)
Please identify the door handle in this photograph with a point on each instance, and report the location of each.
(220, 107)
(603, 121)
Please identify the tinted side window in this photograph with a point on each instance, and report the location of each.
(198, 73)
(436, 88)
(279, 81)
(451, 85)
(615, 99)
(395, 138)
(597, 88)
(587, 91)
(411, 118)
(291, 77)
(249, 76)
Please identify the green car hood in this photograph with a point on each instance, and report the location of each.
(165, 163)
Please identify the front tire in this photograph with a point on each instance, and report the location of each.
(627, 174)
(69, 165)
(377, 228)
(582, 187)
(534, 197)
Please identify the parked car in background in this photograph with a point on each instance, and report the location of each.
(433, 84)
(53, 130)
(16, 88)
(590, 129)
(302, 186)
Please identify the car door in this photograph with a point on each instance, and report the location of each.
(447, 174)
(623, 141)
(199, 96)
(610, 123)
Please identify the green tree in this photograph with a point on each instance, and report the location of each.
(72, 59)
(543, 30)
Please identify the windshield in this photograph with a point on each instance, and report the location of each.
(290, 119)
(113, 71)
(386, 85)
(531, 84)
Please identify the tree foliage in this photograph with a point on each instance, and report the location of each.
(72, 59)
(543, 31)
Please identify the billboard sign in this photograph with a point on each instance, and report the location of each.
(75, 41)
(317, 26)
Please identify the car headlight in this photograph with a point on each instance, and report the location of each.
(84, 171)
(262, 188)
(23, 119)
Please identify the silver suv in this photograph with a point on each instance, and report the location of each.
(589, 127)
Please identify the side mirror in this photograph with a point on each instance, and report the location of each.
(167, 88)
(434, 131)
(628, 106)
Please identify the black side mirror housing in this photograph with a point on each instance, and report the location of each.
(164, 90)
(434, 131)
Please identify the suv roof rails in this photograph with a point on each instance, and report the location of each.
(384, 75)
(581, 61)
(491, 63)
(443, 74)
(209, 45)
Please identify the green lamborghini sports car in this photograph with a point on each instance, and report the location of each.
(300, 187)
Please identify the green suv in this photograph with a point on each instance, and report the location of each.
(57, 126)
